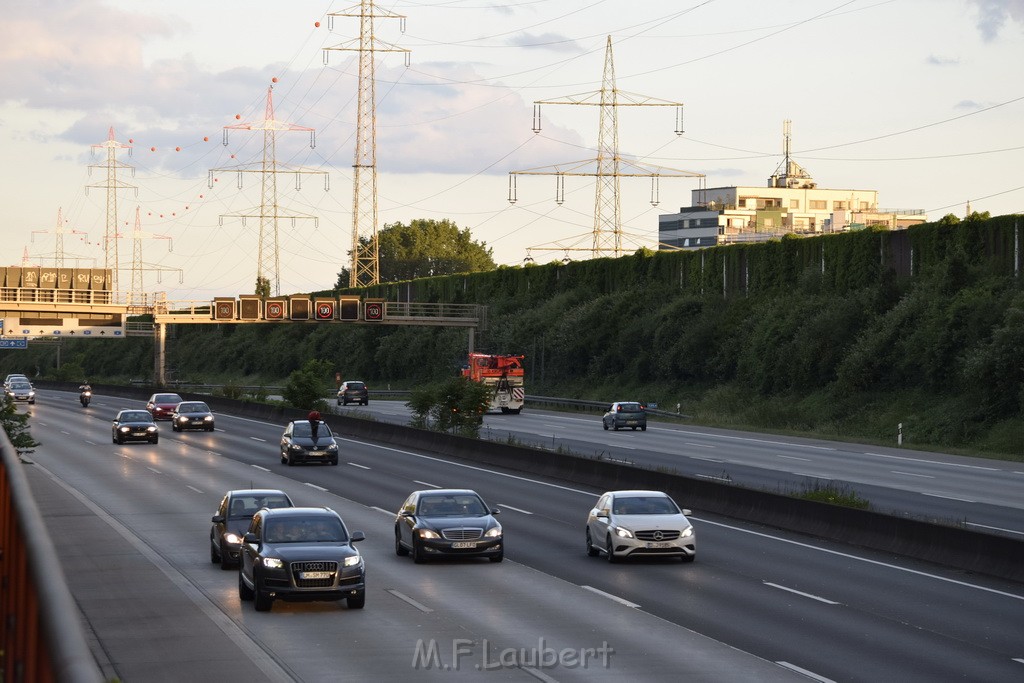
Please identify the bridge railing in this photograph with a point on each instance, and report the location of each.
(41, 636)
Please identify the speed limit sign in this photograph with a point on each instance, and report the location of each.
(275, 310)
(324, 310)
(374, 311)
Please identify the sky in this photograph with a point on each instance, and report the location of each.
(920, 100)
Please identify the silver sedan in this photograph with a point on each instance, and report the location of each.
(639, 524)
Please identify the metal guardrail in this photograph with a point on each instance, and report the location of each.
(40, 634)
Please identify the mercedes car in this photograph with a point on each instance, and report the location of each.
(448, 523)
(231, 520)
(134, 425)
(300, 554)
(638, 523)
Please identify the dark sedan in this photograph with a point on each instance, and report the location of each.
(134, 425)
(161, 406)
(300, 554)
(299, 444)
(448, 522)
(232, 519)
(192, 415)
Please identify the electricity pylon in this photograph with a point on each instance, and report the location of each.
(112, 185)
(606, 236)
(268, 261)
(136, 296)
(58, 254)
(365, 267)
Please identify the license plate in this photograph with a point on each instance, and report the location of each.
(631, 422)
(464, 544)
(659, 544)
(317, 454)
(314, 575)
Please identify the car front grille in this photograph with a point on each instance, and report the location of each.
(658, 535)
(299, 567)
(462, 534)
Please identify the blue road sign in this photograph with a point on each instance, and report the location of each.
(13, 343)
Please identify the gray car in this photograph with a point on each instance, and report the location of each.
(639, 523)
(192, 415)
(631, 414)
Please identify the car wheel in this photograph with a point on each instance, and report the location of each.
(609, 551)
(283, 461)
(262, 600)
(605, 425)
(615, 428)
(214, 557)
(366, 402)
(113, 439)
(688, 558)
(591, 550)
(634, 429)
(400, 549)
(417, 553)
(643, 428)
(497, 558)
(155, 439)
(357, 601)
(210, 428)
(288, 459)
(174, 428)
(225, 558)
(244, 592)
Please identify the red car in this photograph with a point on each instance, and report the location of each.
(161, 406)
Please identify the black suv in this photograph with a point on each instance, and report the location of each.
(353, 392)
(300, 554)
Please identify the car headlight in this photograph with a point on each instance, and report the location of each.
(623, 532)
(123, 429)
(295, 447)
(688, 531)
(353, 561)
(493, 533)
(182, 418)
(232, 538)
(208, 418)
(272, 563)
(333, 447)
(151, 429)
(427, 533)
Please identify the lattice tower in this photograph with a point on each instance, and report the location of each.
(606, 236)
(112, 185)
(365, 268)
(58, 254)
(137, 295)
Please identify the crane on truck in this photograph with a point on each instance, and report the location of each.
(503, 372)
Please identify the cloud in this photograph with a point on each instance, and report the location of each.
(994, 14)
(551, 41)
(968, 104)
(934, 60)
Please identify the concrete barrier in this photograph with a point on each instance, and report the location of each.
(947, 545)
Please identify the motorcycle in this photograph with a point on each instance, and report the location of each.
(85, 397)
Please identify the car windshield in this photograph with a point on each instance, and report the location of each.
(354, 385)
(245, 506)
(452, 506)
(630, 408)
(198, 407)
(135, 416)
(302, 429)
(644, 505)
(167, 398)
(20, 385)
(317, 529)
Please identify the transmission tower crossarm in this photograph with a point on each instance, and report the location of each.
(622, 99)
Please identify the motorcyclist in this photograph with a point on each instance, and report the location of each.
(85, 393)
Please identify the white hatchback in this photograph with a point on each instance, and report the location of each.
(639, 523)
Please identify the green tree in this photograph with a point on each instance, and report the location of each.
(455, 406)
(16, 426)
(262, 287)
(307, 386)
(424, 248)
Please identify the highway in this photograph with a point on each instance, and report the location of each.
(984, 494)
(758, 604)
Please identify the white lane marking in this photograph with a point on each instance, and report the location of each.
(1019, 659)
(697, 457)
(801, 593)
(624, 462)
(389, 514)
(260, 467)
(708, 476)
(91, 443)
(153, 470)
(362, 467)
(313, 486)
(509, 507)
(405, 598)
(805, 672)
(256, 438)
(948, 497)
(813, 475)
(934, 462)
(64, 432)
(698, 445)
(704, 521)
(792, 457)
(848, 556)
(194, 488)
(424, 483)
(912, 474)
(621, 601)
(994, 528)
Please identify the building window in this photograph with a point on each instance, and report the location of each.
(794, 203)
(839, 205)
(864, 206)
(818, 205)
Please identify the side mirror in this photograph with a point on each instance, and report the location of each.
(217, 519)
(495, 511)
(358, 536)
(687, 513)
(603, 512)
(405, 513)
(250, 537)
